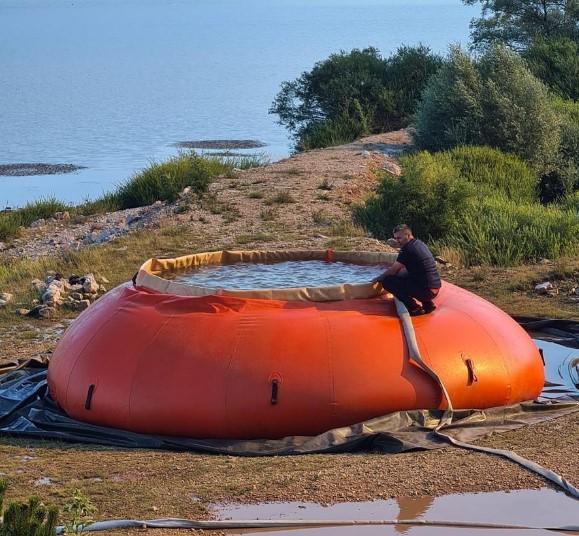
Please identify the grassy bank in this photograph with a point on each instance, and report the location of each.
(162, 181)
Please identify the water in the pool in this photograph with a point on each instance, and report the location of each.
(289, 274)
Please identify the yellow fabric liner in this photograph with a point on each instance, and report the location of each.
(151, 272)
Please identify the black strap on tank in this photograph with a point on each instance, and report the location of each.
(89, 393)
(274, 391)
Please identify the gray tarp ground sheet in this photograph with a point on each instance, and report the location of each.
(26, 410)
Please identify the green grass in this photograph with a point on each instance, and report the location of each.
(501, 232)
(10, 222)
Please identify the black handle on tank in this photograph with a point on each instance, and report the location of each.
(274, 391)
(89, 393)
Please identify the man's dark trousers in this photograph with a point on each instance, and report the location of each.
(405, 289)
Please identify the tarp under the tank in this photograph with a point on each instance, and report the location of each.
(27, 410)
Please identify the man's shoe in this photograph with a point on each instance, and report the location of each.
(417, 312)
(428, 307)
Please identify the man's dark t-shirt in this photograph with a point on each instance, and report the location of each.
(420, 263)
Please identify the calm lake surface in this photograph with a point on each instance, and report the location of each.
(113, 84)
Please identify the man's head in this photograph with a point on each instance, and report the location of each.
(402, 234)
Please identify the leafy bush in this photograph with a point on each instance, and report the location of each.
(555, 61)
(495, 102)
(355, 93)
(499, 231)
(493, 170)
(429, 195)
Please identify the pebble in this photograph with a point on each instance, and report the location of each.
(544, 288)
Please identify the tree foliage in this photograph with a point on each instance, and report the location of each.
(496, 102)
(518, 23)
(355, 93)
(556, 62)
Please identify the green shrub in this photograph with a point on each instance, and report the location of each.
(27, 519)
(570, 202)
(166, 180)
(495, 102)
(493, 170)
(407, 73)
(351, 94)
(563, 178)
(450, 112)
(331, 132)
(429, 195)
(499, 231)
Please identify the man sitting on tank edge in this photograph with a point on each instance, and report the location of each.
(413, 276)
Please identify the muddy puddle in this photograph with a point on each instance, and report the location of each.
(537, 509)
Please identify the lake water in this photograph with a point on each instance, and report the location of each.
(288, 274)
(113, 84)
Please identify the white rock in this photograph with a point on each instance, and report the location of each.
(38, 223)
(38, 286)
(89, 284)
(544, 288)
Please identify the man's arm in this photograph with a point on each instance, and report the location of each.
(392, 270)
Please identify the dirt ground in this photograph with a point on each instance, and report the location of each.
(301, 202)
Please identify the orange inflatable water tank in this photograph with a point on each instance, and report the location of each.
(161, 357)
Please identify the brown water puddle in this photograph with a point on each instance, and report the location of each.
(531, 508)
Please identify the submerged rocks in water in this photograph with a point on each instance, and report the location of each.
(23, 170)
(221, 144)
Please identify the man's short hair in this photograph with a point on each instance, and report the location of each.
(402, 227)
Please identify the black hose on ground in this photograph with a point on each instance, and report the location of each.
(295, 524)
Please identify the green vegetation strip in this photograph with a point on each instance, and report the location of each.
(158, 182)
